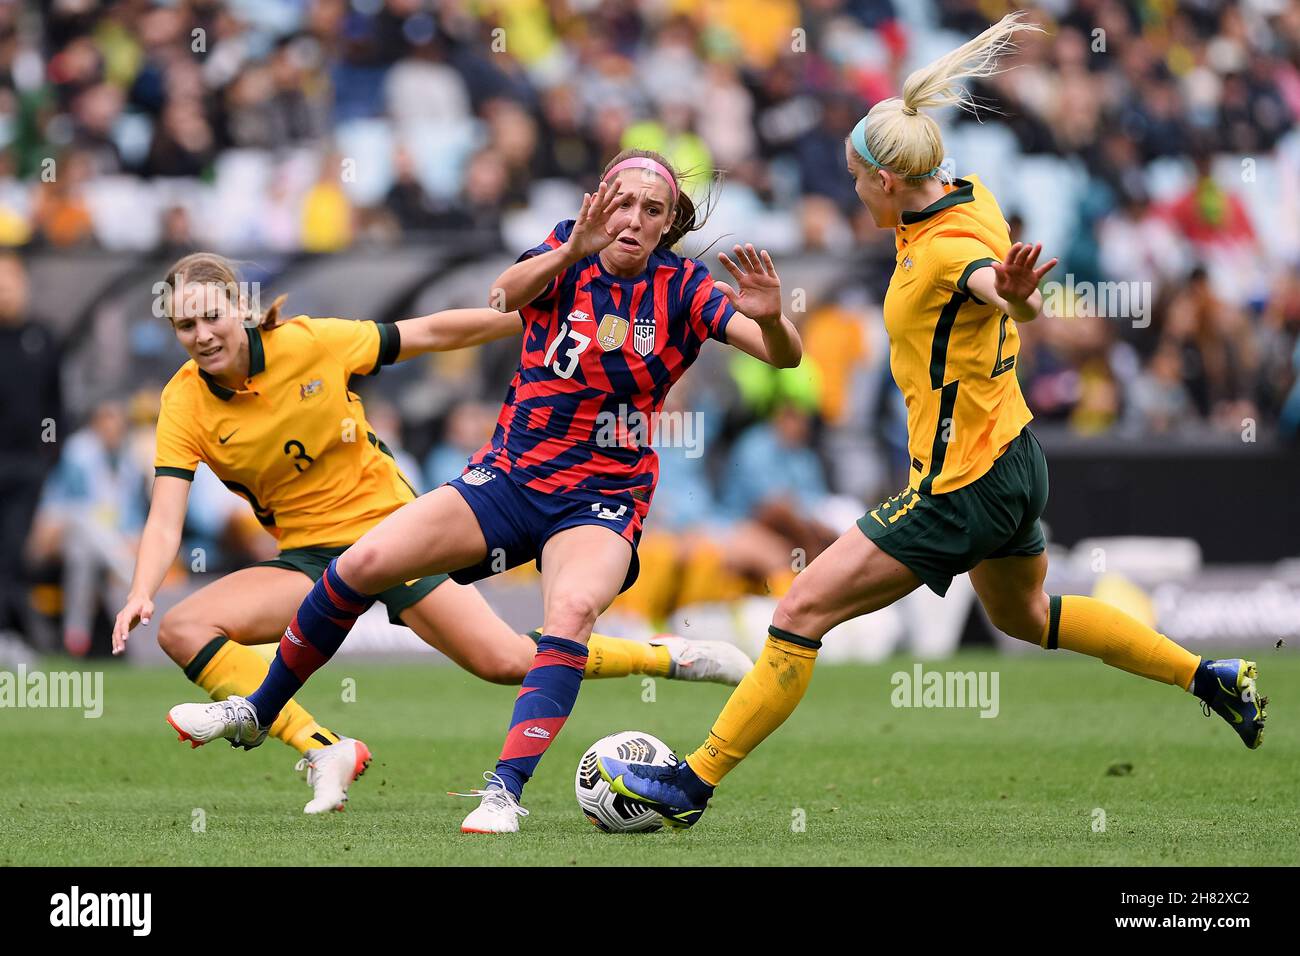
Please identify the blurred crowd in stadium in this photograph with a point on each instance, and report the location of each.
(1152, 144)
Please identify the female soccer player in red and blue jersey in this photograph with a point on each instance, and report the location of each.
(611, 318)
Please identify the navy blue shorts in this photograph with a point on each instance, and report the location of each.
(517, 521)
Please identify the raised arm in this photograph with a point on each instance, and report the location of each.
(454, 329)
(598, 223)
(158, 546)
(1012, 285)
(759, 327)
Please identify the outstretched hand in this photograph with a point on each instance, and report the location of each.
(758, 288)
(1016, 279)
(137, 610)
(599, 222)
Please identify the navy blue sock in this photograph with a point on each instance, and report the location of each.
(543, 705)
(315, 633)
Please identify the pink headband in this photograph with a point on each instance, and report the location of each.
(643, 162)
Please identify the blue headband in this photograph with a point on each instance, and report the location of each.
(859, 139)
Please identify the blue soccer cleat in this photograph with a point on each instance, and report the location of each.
(1228, 688)
(675, 792)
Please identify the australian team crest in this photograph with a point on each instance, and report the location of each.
(907, 264)
(643, 336)
(612, 332)
(307, 389)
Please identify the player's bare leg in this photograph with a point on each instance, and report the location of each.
(433, 534)
(456, 620)
(850, 578)
(583, 569)
(207, 635)
(1011, 590)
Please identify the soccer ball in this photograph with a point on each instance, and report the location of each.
(610, 811)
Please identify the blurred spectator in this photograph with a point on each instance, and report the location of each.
(177, 237)
(775, 477)
(469, 425)
(387, 425)
(567, 148)
(1218, 360)
(91, 512)
(60, 213)
(183, 142)
(29, 429)
(416, 211)
(1158, 400)
(327, 217)
(1214, 221)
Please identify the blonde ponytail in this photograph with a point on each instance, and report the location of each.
(899, 136)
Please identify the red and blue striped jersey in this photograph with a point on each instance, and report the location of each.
(599, 350)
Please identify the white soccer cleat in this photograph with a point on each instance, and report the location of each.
(498, 813)
(331, 770)
(233, 719)
(716, 661)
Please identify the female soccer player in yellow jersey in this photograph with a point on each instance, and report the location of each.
(978, 476)
(267, 406)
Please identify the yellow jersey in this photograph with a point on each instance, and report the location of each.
(952, 355)
(294, 440)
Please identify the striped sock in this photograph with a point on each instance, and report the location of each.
(543, 705)
(315, 633)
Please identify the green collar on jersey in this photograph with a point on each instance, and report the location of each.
(256, 365)
(965, 192)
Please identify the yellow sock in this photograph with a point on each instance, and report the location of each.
(1095, 628)
(767, 695)
(618, 657)
(224, 667)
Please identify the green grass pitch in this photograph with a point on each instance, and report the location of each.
(873, 784)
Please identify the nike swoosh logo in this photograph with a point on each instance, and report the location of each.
(1236, 717)
(538, 733)
(227, 438)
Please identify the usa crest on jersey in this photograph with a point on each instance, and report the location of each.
(643, 335)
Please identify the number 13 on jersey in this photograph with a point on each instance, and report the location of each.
(565, 365)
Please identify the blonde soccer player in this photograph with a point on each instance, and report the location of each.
(978, 476)
(268, 407)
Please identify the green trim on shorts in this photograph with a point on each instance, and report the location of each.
(313, 561)
(996, 516)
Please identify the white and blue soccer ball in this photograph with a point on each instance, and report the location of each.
(610, 811)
